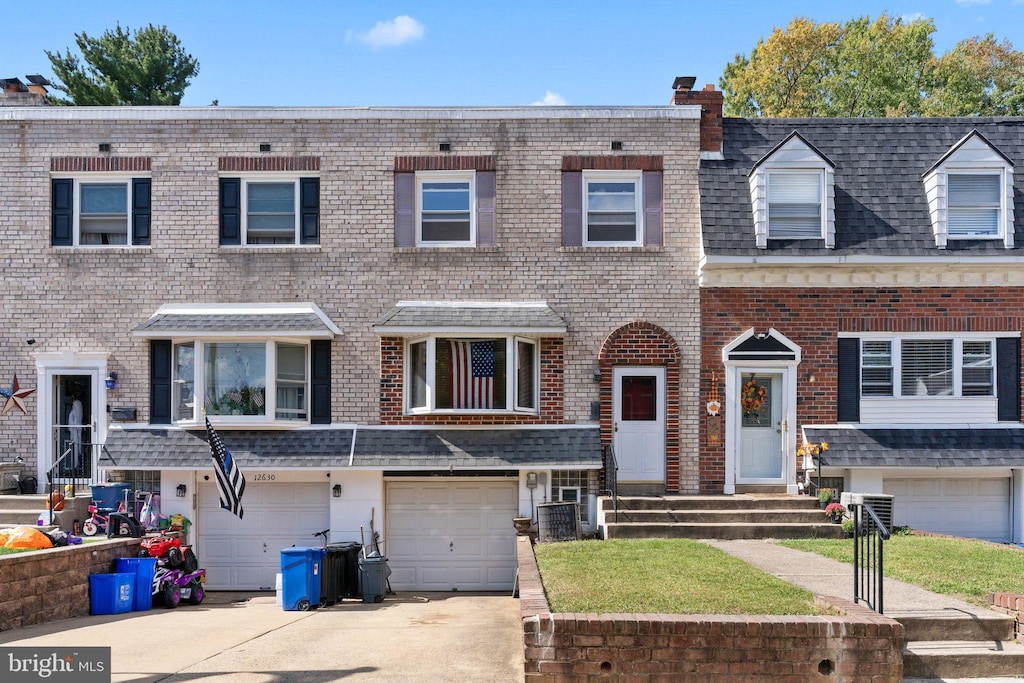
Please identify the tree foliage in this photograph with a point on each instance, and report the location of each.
(864, 67)
(147, 68)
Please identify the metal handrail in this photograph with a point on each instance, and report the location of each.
(611, 476)
(869, 535)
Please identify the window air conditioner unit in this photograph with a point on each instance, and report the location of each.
(881, 503)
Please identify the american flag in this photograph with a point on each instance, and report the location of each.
(230, 481)
(472, 374)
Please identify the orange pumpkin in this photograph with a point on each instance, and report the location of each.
(56, 500)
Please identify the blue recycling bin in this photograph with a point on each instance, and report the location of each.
(111, 593)
(300, 578)
(144, 570)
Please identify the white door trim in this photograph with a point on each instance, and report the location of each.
(659, 372)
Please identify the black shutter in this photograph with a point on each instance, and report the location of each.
(572, 209)
(653, 231)
(405, 209)
(62, 212)
(1008, 379)
(160, 381)
(141, 210)
(320, 384)
(230, 211)
(849, 380)
(486, 228)
(309, 190)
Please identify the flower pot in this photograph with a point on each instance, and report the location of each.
(522, 524)
(837, 520)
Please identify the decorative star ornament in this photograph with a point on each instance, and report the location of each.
(15, 397)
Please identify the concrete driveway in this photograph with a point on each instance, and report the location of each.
(237, 637)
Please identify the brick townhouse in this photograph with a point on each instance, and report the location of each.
(432, 318)
(862, 286)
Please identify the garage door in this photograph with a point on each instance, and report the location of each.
(973, 508)
(246, 554)
(451, 535)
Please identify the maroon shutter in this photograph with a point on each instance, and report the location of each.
(405, 209)
(572, 209)
(653, 232)
(486, 229)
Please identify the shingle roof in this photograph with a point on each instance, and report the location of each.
(915, 447)
(440, 449)
(427, 317)
(200, 323)
(880, 201)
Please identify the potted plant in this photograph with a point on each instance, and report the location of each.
(825, 496)
(835, 512)
(522, 525)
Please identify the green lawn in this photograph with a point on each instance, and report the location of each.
(661, 576)
(964, 568)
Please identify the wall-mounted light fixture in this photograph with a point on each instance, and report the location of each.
(597, 375)
(812, 378)
(111, 380)
(336, 490)
(180, 491)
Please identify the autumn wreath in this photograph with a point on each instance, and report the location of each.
(752, 396)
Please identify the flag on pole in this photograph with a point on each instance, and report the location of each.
(230, 481)
(473, 369)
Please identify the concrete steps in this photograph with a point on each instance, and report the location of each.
(742, 516)
(21, 510)
(953, 659)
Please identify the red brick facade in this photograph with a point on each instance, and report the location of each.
(811, 317)
(392, 379)
(643, 344)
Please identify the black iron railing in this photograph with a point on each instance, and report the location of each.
(69, 474)
(869, 537)
(611, 475)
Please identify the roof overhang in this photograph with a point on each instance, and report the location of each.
(199, 321)
(411, 318)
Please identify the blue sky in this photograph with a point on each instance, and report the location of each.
(324, 52)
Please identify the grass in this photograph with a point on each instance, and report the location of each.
(661, 576)
(960, 567)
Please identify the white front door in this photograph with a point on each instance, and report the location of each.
(639, 424)
(762, 429)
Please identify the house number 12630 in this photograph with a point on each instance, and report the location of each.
(259, 476)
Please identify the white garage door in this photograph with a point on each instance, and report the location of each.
(451, 535)
(245, 554)
(973, 508)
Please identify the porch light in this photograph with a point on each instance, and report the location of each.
(111, 380)
(180, 491)
(336, 490)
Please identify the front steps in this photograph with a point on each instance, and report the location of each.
(950, 644)
(21, 510)
(741, 516)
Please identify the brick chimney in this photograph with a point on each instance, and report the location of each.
(711, 102)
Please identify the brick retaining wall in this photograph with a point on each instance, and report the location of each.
(1012, 604)
(38, 587)
(857, 645)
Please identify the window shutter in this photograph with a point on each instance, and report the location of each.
(62, 208)
(848, 404)
(572, 209)
(160, 381)
(653, 231)
(320, 384)
(486, 229)
(1008, 379)
(405, 209)
(230, 211)
(141, 210)
(309, 191)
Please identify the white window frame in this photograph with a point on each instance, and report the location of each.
(511, 376)
(270, 399)
(820, 177)
(269, 179)
(101, 179)
(635, 177)
(446, 177)
(1000, 233)
(896, 347)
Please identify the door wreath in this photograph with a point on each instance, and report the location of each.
(752, 397)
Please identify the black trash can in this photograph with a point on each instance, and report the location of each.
(340, 576)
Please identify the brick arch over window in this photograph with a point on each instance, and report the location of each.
(644, 344)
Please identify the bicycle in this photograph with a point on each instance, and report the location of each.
(323, 537)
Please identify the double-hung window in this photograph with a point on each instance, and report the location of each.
(794, 204)
(244, 381)
(613, 208)
(472, 374)
(974, 204)
(268, 210)
(445, 208)
(100, 210)
(930, 367)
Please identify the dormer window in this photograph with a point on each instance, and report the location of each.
(794, 205)
(974, 204)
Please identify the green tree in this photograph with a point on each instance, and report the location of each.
(147, 68)
(864, 67)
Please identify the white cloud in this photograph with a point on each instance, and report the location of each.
(400, 30)
(551, 99)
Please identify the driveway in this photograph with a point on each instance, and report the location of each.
(243, 637)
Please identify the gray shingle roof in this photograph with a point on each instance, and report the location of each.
(430, 317)
(880, 201)
(277, 323)
(440, 449)
(910, 447)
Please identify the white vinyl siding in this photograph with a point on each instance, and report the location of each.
(794, 205)
(974, 204)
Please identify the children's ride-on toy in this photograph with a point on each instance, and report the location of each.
(170, 553)
(174, 585)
